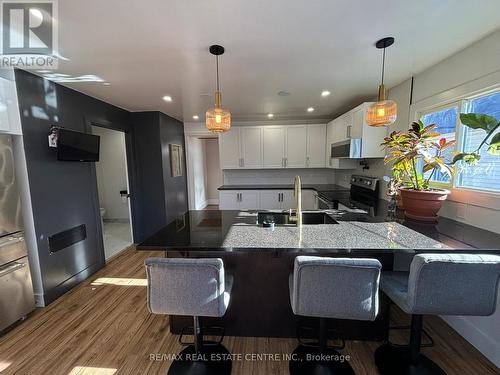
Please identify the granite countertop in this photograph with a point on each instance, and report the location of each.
(317, 187)
(230, 231)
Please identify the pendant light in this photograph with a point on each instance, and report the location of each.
(218, 120)
(383, 112)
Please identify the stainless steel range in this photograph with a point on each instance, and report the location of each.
(361, 198)
(16, 290)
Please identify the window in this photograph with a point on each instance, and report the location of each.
(486, 174)
(446, 121)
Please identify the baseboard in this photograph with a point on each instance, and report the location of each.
(479, 339)
(212, 201)
(56, 292)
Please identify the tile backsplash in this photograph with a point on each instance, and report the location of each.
(278, 176)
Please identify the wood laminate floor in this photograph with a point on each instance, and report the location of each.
(103, 327)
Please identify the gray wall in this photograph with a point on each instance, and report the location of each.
(64, 194)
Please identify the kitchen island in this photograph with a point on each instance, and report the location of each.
(261, 259)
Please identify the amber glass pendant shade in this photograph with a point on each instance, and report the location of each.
(383, 112)
(218, 120)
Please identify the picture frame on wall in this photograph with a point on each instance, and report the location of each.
(175, 159)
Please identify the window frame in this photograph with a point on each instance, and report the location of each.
(460, 103)
(437, 108)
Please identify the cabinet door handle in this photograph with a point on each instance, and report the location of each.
(307, 161)
(242, 162)
(286, 162)
(283, 162)
(348, 132)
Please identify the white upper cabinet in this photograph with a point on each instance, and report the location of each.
(241, 148)
(10, 120)
(230, 156)
(357, 123)
(316, 144)
(296, 147)
(284, 146)
(274, 146)
(251, 147)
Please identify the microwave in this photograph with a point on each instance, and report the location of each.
(350, 148)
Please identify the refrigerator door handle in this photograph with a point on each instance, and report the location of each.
(7, 241)
(11, 268)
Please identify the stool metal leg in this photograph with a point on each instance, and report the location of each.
(396, 360)
(202, 358)
(320, 359)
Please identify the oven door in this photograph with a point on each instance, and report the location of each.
(346, 149)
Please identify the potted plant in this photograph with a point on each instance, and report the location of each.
(489, 125)
(413, 154)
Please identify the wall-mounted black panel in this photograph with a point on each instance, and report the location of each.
(64, 239)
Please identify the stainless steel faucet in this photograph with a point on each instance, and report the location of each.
(298, 196)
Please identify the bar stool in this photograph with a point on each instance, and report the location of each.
(437, 284)
(339, 288)
(196, 287)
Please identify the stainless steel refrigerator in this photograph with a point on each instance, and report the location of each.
(16, 289)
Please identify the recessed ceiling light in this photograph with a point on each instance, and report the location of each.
(196, 117)
(167, 98)
(325, 93)
(283, 93)
(106, 84)
(310, 109)
(270, 115)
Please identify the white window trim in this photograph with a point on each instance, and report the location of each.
(469, 90)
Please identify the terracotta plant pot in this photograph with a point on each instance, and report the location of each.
(423, 205)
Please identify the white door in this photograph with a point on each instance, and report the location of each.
(274, 147)
(270, 199)
(229, 200)
(251, 147)
(316, 146)
(296, 147)
(288, 200)
(249, 200)
(229, 144)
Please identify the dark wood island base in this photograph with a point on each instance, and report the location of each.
(260, 298)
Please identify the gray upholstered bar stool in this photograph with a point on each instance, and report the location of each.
(340, 288)
(195, 287)
(437, 284)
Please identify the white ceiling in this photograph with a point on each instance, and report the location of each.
(148, 49)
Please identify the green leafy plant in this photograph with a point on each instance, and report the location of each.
(406, 150)
(488, 124)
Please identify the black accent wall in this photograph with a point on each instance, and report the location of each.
(64, 194)
(163, 197)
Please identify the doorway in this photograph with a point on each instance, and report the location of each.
(113, 191)
(204, 172)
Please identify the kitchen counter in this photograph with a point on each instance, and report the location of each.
(211, 230)
(316, 187)
(261, 260)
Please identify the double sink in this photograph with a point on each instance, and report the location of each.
(283, 218)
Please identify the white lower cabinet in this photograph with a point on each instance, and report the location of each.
(238, 200)
(265, 199)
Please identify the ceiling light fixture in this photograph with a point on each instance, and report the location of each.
(325, 93)
(310, 109)
(196, 117)
(218, 120)
(383, 112)
(283, 93)
(167, 98)
(270, 115)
